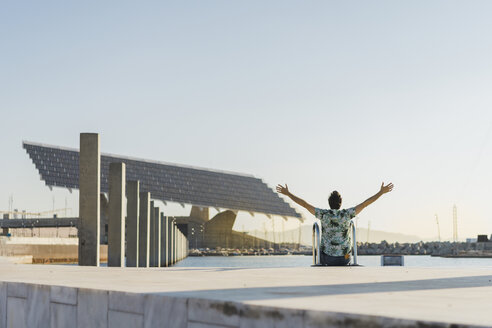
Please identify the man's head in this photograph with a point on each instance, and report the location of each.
(335, 200)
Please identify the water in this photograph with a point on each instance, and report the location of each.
(287, 261)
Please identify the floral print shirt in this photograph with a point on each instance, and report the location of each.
(335, 224)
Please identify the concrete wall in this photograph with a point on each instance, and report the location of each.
(30, 305)
(61, 232)
(48, 253)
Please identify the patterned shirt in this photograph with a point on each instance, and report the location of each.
(335, 224)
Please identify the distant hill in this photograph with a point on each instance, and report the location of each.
(375, 236)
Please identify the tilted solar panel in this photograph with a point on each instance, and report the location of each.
(168, 182)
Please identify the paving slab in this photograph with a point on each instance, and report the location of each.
(443, 295)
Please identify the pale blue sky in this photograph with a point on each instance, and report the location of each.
(322, 95)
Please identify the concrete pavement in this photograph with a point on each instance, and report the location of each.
(446, 296)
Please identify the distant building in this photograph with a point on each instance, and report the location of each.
(482, 239)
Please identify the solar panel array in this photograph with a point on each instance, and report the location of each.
(59, 167)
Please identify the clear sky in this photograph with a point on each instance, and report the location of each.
(321, 95)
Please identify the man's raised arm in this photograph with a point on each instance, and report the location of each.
(384, 189)
(285, 191)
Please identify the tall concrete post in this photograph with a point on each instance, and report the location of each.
(157, 236)
(187, 247)
(170, 241)
(143, 231)
(183, 246)
(89, 202)
(178, 244)
(152, 235)
(116, 219)
(175, 242)
(132, 226)
(164, 238)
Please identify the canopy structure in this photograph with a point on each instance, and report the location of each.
(59, 167)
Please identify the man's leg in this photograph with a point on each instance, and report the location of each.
(334, 260)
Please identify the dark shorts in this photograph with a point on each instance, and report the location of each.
(334, 260)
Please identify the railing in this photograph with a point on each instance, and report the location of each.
(354, 240)
(317, 243)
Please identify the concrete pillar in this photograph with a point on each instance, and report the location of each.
(89, 202)
(132, 226)
(183, 252)
(155, 237)
(116, 220)
(184, 247)
(164, 238)
(152, 236)
(186, 242)
(157, 232)
(175, 242)
(143, 231)
(180, 245)
(103, 220)
(170, 241)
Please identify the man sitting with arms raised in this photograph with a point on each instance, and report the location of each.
(335, 223)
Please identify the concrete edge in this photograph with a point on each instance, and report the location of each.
(155, 308)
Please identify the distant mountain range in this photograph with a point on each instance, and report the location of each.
(375, 236)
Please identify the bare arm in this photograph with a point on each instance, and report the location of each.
(285, 191)
(384, 189)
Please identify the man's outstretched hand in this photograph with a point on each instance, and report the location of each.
(385, 189)
(283, 190)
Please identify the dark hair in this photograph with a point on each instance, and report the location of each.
(335, 200)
